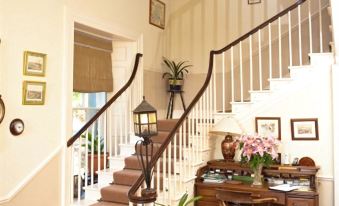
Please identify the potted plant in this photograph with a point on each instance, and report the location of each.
(183, 200)
(175, 74)
(94, 144)
(258, 152)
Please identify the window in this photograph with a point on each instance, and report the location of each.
(85, 106)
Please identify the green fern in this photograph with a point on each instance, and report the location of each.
(183, 200)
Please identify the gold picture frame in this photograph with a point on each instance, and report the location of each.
(33, 93)
(268, 126)
(34, 64)
(157, 13)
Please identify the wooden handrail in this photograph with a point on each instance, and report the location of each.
(261, 26)
(108, 104)
(131, 194)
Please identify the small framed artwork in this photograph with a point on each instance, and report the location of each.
(157, 10)
(254, 1)
(34, 63)
(268, 126)
(33, 93)
(304, 129)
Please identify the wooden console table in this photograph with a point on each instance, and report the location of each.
(302, 197)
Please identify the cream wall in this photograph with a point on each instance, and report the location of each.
(42, 190)
(130, 19)
(35, 25)
(46, 26)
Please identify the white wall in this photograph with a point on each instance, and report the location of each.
(307, 97)
(46, 26)
(35, 25)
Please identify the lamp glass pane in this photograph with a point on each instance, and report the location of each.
(144, 129)
(136, 118)
(152, 117)
(153, 128)
(144, 118)
(136, 129)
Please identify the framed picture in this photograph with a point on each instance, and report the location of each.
(33, 93)
(268, 126)
(34, 63)
(254, 1)
(304, 129)
(157, 13)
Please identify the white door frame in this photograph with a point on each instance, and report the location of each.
(70, 18)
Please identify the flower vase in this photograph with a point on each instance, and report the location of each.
(257, 179)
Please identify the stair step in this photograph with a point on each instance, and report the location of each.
(161, 137)
(108, 204)
(126, 177)
(115, 193)
(156, 147)
(132, 163)
(166, 124)
(319, 59)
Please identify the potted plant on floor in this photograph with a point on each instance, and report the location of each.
(175, 74)
(94, 144)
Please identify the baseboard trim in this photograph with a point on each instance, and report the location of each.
(29, 177)
(325, 178)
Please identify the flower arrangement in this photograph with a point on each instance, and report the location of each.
(258, 150)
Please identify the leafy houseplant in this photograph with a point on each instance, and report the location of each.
(94, 142)
(258, 151)
(183, 200)
(175, 74)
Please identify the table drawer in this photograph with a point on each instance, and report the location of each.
(293, 201)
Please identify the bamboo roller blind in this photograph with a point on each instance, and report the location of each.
(92, 64)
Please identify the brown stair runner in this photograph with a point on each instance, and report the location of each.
(116, 193)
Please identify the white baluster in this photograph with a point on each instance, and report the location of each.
(280, 53)
(232, 75)
(320, 27)
(79, 169)
(241, 76)
(92, 156)
(175, 163)
(290, 37)
(169, 149)
(270, 49)
(223, 82)
(251, 64)
(310, 25)
(105, 139)
(299, 26)
(99, 149)
(180, 156)
(214, 86)
(86, 158)
(260, 64)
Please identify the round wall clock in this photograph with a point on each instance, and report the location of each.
(17, 127)
(2, 109)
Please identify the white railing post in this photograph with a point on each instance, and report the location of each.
(251, 65)
(310, 25)
(280, 53)
(223, 82)
(260, 60)
(320, 26)
(232, 75)
(270, 49)
(300, 46)
(290, 37)
(241, 75)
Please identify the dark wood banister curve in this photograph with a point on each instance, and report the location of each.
(261, 26)
(131, 194)
(108, 104)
